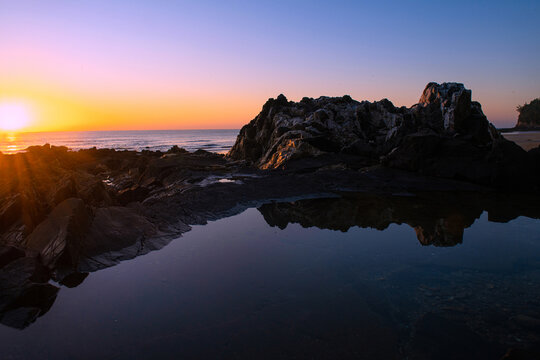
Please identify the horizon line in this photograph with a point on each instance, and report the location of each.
(65, 131)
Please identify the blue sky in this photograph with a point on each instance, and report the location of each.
(174, 54)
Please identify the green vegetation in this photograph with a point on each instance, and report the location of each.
(529, 114)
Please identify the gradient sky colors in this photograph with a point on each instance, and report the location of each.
(104, 65)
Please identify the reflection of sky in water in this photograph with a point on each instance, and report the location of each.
(237, 286)
(211, 140)
(9, 143)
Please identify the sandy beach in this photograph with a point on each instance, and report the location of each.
(526, 139)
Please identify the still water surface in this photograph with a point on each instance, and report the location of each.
(240, 288)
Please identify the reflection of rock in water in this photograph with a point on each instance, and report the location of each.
(444, 232)
(438, 218)
(25, 293)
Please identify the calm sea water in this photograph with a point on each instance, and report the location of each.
(241, 288)
(211, 140)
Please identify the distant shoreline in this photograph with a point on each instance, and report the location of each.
(528, 139)
(509, 130)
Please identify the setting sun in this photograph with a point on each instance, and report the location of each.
(14, 115)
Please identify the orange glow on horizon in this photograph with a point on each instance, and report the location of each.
(57, 109)
(44, 107)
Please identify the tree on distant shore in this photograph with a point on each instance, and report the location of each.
(529, 114)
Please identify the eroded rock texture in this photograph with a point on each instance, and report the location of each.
(446, 135)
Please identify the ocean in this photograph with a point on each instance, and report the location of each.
(219, 141)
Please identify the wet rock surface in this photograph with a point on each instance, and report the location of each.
(25, 293)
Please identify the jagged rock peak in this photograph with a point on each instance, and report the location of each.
(444, 91)
(453, 101)
(287, 130)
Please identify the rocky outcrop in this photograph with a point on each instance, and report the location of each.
(70, 207)
(446, 135)
(529, 116)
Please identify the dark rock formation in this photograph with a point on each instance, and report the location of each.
(529, 116)
(446, 135)
(115, 234)
(69, 207)
(58, 238)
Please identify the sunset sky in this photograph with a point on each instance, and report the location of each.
(107, 65)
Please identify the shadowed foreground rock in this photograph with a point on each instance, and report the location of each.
(25, 293)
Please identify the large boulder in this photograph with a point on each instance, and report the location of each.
(446, 134)
(118, 233)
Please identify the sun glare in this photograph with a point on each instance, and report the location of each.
(14, 115)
